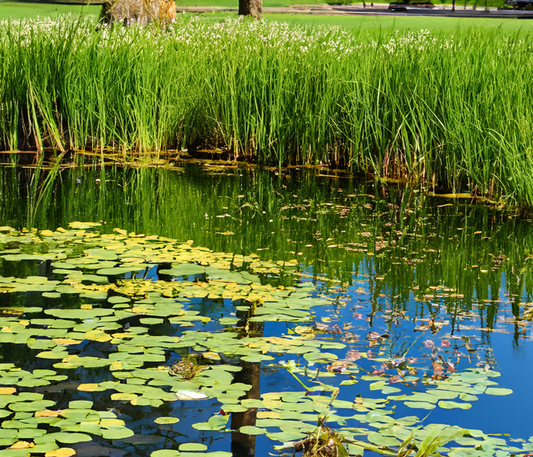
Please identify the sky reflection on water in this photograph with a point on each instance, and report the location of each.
(391, 261)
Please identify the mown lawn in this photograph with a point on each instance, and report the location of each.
(286, 3)
(234, 3)
(19, 10)
(15, 10)
(379, 24)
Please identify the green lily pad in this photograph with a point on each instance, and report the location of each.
(251, 430)
(117, 271)
(188, 447)
(419, 405)
(38, 405)
(454, 405)
(81, 314)
(117, 433)
(165, 453)
(68, 438)
(80, 404)
(167, 420)
(14, 453)
(380, 440)
(498, 391)
(217, 422)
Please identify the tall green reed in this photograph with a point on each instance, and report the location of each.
(446, 110)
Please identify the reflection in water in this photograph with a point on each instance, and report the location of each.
(338, 228)
(243, 445)
(392, 261)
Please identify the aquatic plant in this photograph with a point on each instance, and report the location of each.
(394, 105)
(96, 324)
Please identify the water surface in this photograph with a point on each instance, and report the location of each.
(417, 290)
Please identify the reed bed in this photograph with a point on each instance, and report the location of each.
(453, 111)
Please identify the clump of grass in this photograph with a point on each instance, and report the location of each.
(449, 111)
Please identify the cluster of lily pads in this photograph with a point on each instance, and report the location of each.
(114, 318)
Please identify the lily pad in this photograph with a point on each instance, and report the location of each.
(188, 447)
(498, 391)
(252, 430)
(419, 405)
(165, 453)
(68, 438)
(166, 420)
(454, 405)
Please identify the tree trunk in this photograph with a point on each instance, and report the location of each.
(139, 11)
(252, 8)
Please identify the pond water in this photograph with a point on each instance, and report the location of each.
(175, 305)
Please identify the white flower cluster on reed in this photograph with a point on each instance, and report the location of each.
(250, 35)
(451, 107)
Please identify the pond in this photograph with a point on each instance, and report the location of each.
(199, 309)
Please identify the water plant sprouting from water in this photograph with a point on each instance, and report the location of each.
(101, 336)
(393, 104)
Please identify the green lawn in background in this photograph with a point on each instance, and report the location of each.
(15, 10)
(4, 5)
(19, 10)
(235, 3)
(287, 3)
(387, 23)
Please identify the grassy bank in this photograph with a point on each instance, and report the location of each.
(287, 3)
(20, 10)
(450, 110)
(384, 24)
(370, 24)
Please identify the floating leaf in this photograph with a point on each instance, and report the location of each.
(123, 396)
(111, 423)
(83, 225)
(80, 404)
(90, 387)
(69, 438)
(81, 314)
(61, 452)
(217, 422)
(251, 430)
(165, 453)
(419, 404)
(380, 440)
(166, 420)
(187, 447)
(130, 326)
(454, 405)
(116, 271)
(31, 405)
(22, 445)
(51, 295)
(498, 391)
(117, 433)
(98, 335)
(467, 397)
(7, 390)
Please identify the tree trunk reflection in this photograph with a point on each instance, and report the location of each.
(243, 445)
